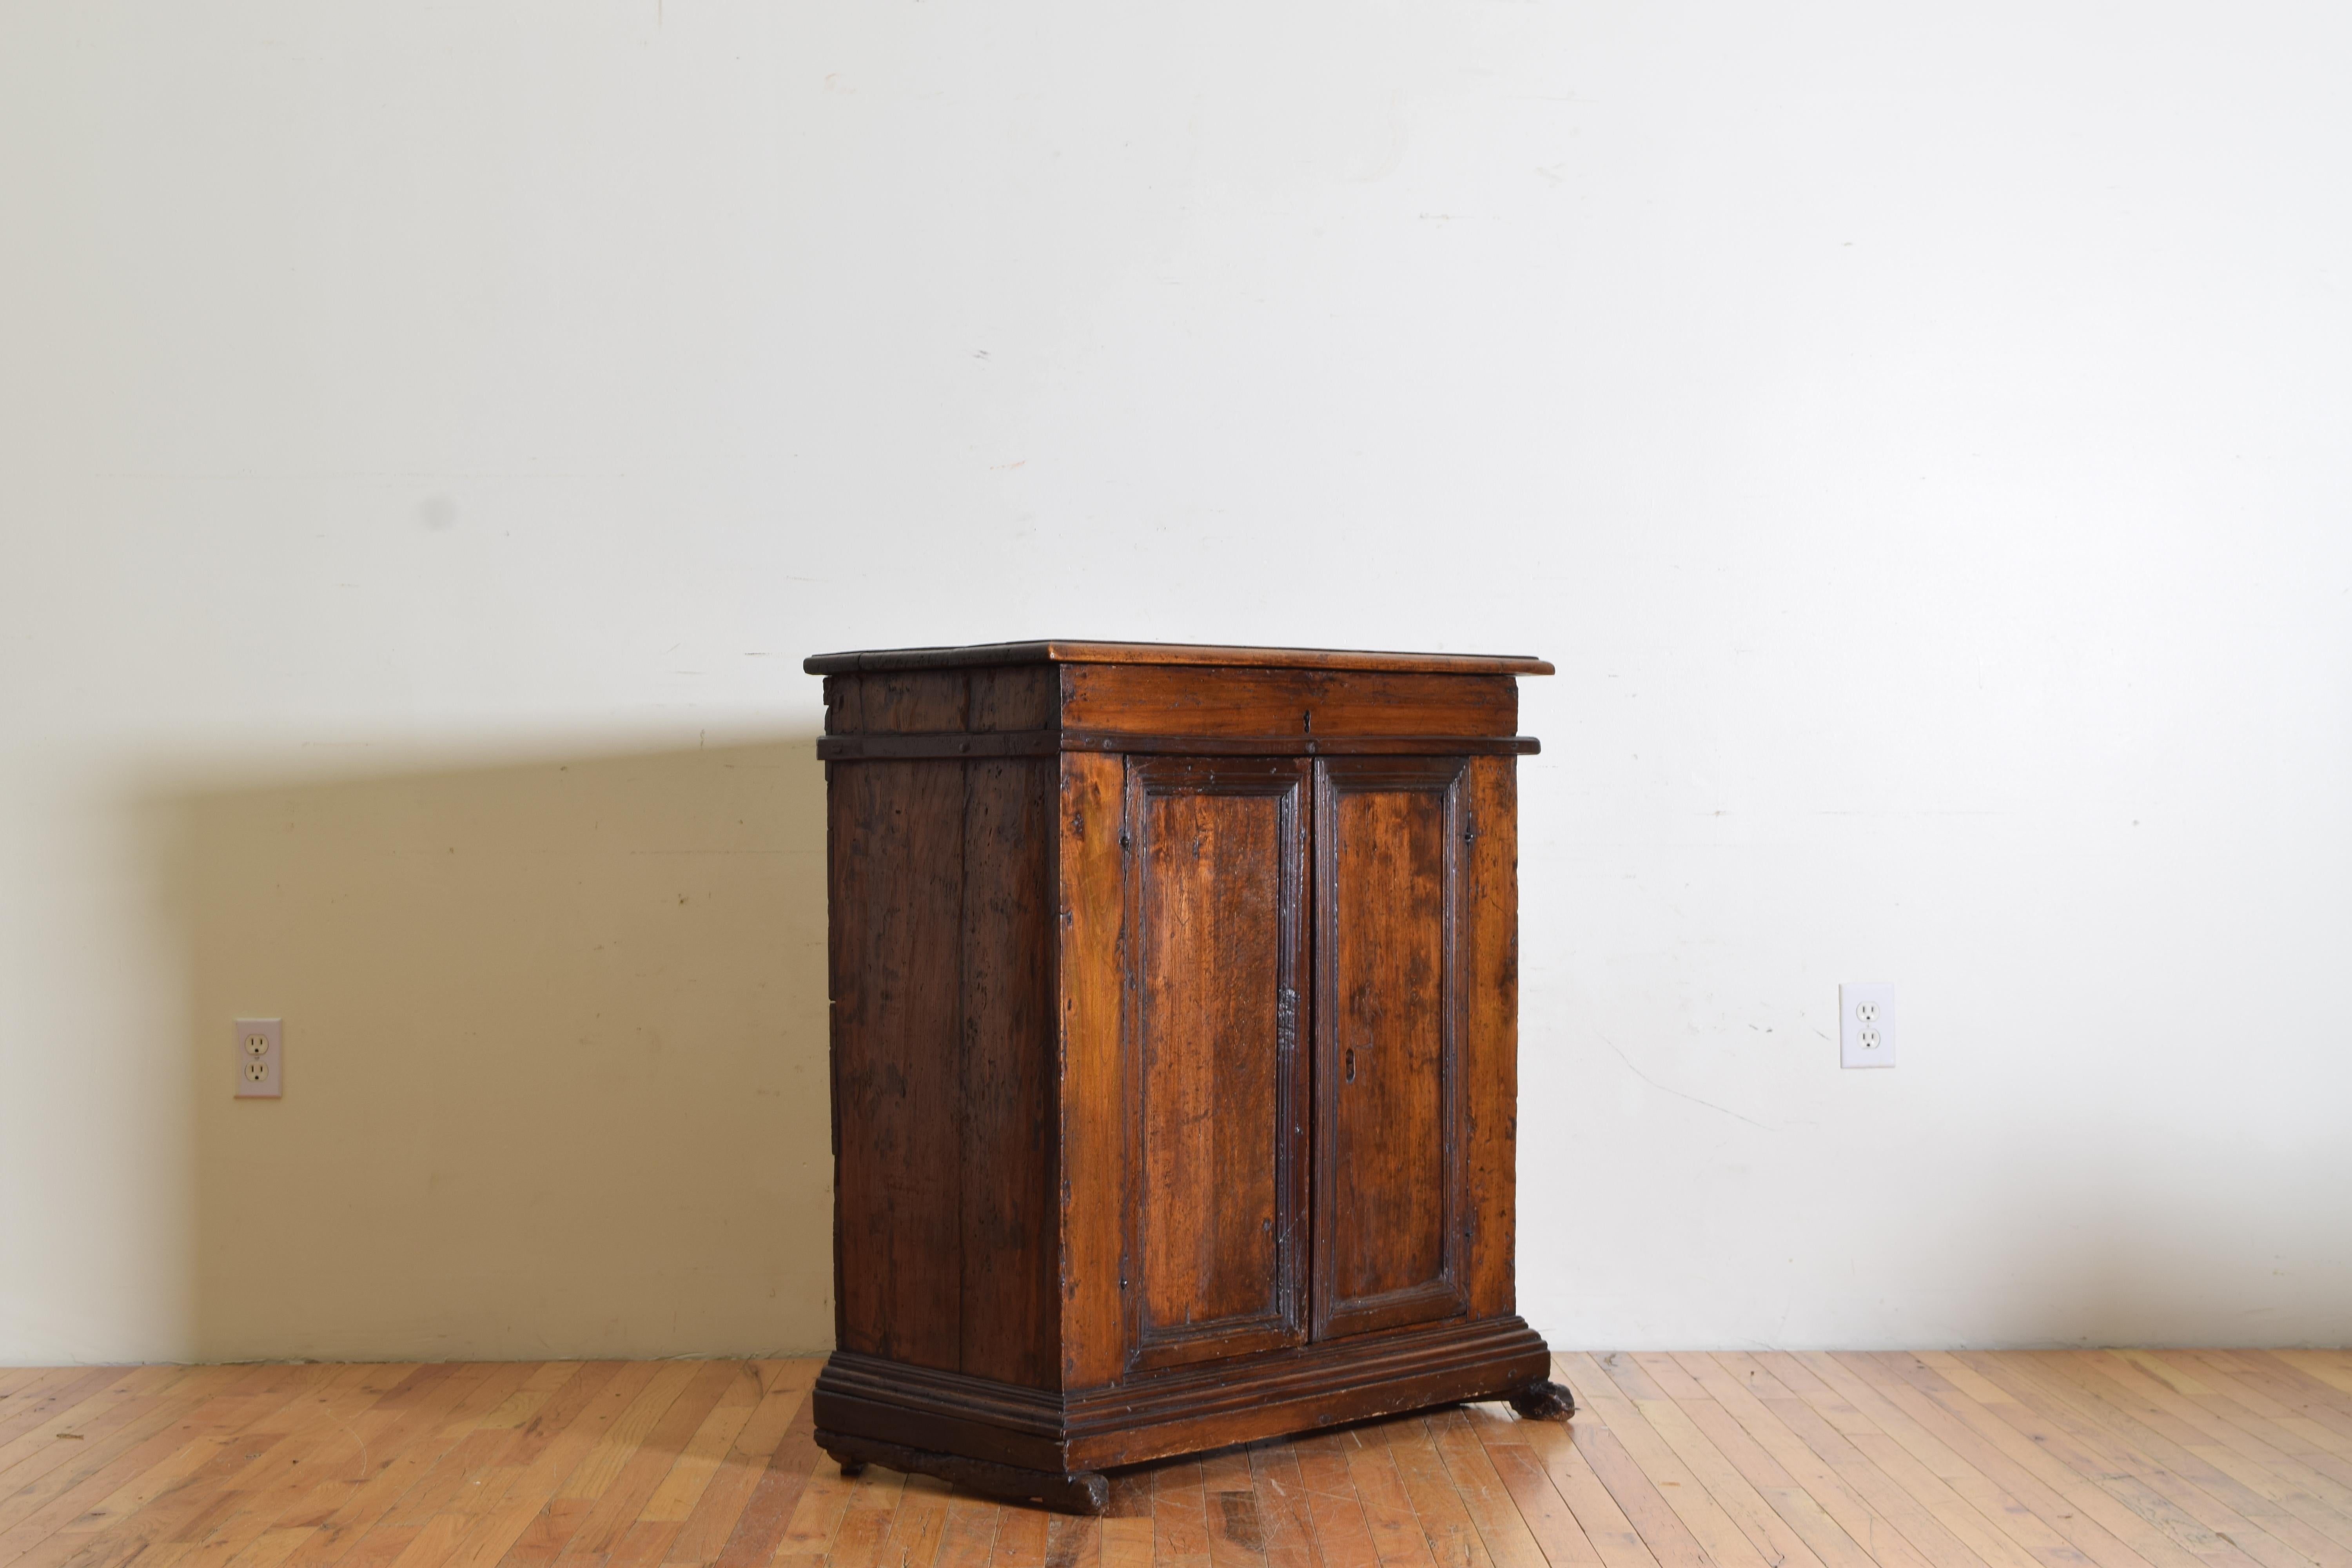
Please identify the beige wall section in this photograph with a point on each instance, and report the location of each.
(555, 1062)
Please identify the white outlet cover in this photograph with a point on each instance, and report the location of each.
(1866, 1023)
(261, 1057)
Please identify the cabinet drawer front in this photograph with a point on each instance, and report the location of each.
(1162, 699)
(1216, 865)
(1388, 1177)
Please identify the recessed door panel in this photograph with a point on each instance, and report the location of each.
(1216, 873)
(1388, 1205)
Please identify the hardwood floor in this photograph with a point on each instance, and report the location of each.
(2045, 1459)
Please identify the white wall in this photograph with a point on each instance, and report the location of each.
(1917, 434)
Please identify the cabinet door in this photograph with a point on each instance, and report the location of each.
(1387, 1152)
(1216, 878)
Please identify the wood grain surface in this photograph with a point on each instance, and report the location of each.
(2028, 1459)
(1166, 653)
(1163, 699)
(1389, 1228)
(896, 953)
(1174, 1025)
(1219, 1110)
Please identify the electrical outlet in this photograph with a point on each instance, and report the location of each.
(260, 1059)
(1866, 1023)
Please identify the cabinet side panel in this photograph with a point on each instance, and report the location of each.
(1009, 1328)
(909, 701)
(1015, 697)
(1089, 987)
(1490, 1053)
(896, 861)
(844, 705)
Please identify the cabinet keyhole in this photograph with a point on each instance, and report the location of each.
(1352, 1064)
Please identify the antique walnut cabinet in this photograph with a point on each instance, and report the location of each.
(1174, 1026)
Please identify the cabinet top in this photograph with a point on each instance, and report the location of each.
(1063, 652)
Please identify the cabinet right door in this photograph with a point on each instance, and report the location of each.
(1390, 1226)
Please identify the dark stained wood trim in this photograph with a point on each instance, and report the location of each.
(1149, 1415)
(949, 743)
(1045, 743)
(1086, 1492)
(1064, 652)
(1302, 746)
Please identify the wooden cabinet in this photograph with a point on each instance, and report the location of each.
(1174, 1035)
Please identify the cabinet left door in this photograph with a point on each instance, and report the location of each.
(1214, 1249)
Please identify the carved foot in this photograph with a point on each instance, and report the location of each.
(1083, 1492)
(1544, 1401)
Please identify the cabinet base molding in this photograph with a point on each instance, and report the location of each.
(930, 1413)
(1084, 1492)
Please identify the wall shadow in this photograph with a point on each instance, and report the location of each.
(555, 1079)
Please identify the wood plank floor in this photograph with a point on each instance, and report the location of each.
(2047, 1459)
